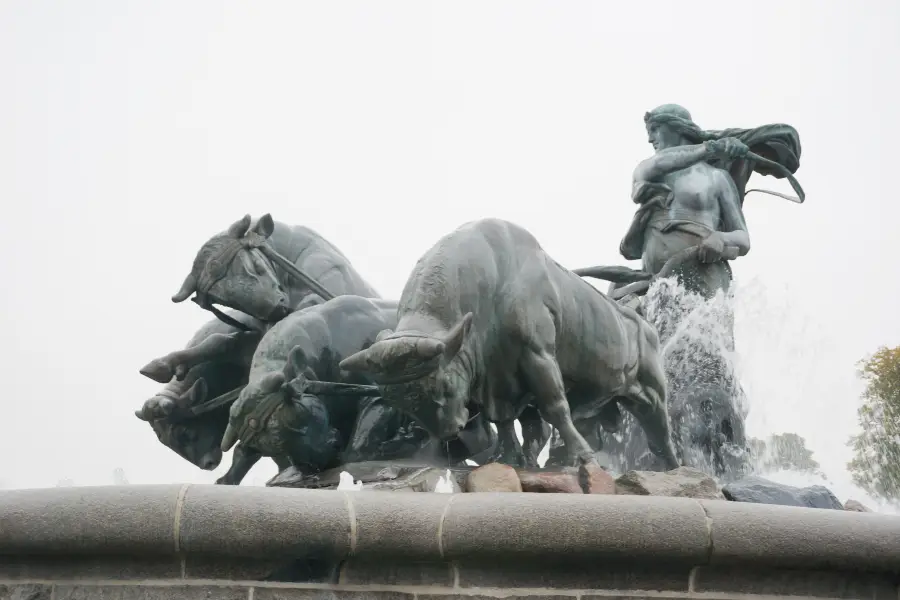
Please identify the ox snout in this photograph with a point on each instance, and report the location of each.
(451, 428)
(280, 311)
(210, 460)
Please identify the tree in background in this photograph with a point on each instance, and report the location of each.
(783, 451)
(876, 450)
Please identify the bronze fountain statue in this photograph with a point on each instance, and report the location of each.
(311, 368)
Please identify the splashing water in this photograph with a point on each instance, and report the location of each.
(707, 405)
(346, 483)
(443, 485)
(769, 380)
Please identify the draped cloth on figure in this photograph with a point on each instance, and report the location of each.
(655, 233)
(779, 143)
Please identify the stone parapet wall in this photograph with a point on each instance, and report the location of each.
(198, 541)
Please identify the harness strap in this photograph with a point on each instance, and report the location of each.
(292, 269)
(216, 269)
(224, 399)
(182, 414)
(228, 320)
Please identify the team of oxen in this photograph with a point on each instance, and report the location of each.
(313, 369)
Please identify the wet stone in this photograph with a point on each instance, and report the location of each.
(683, 482)
(494, 477)
(595, 480)
(763, 491)
(856, 506)
(550, 482)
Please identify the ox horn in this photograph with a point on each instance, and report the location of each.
(187, 288)
(230, 438)
(356, 362)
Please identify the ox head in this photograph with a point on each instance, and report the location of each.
(282, 419)
(231, 270)
(195, 440)
(415, 375)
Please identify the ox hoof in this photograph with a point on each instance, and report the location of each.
(158, 371)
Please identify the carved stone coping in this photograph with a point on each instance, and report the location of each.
(255, 522)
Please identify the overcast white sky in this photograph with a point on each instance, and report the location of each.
(130, 132)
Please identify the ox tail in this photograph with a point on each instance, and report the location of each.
(615, 274)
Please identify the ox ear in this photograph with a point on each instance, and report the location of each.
(358, 363)
(187, 288)
(239, 227)
(265, 226)
(139, 413)
(455, 338)
(296, 364)
(383, 334)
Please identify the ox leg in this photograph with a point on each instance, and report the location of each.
(510, 451)
(649, 408)
(559, 455)
(546, 383)
(645, 398)
(176, 364)
(535, 434)
(242, 460)
(282, 462)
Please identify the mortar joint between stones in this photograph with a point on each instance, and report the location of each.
(179, 507)
(440, 530)
(351, 516)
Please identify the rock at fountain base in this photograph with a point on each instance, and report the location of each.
(494, 477)
(550, 481)
(393, 476)
(402, 476)
(762, 491)
(856, 506)
(595, 480)
(683, 482)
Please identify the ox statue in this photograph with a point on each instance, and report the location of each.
(187, 419)
(488, 321)
(268, 269)
(300, 404)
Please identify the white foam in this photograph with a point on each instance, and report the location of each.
(346, 483)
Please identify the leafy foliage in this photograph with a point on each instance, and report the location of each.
(876, 450)
(786, 451)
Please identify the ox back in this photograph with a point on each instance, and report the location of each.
(321, 260)
(512, 322)
(327, 333)
(499, 272)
